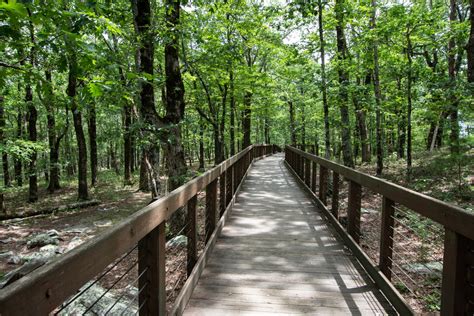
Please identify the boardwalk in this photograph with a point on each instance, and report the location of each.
(277, 255)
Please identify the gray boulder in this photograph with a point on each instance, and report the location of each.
(178, 241)
(40, 240)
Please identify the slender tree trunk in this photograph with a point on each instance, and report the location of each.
(17, 162)
(247, 119)
(378, 95)
(292, 123)
(409, 100)
(232, 112)
(454, 102)
(470, 47)
(53, 139)
(343, 85)
(143, 184)
(127, 145)
(327, 143)
(201, 147)
(92, 126)
(6, 174)
(83, 193)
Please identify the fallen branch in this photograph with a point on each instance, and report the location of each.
(57, 209)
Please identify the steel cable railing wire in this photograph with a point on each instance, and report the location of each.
(124, 292)
(82, 291)
(113, 284)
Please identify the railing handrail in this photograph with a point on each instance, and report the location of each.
(448, 215)
(49, 286)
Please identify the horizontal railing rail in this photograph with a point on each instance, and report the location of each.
(457, 290)
(43, 290)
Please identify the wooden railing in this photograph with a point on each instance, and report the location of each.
(45, 289)
(457, 290)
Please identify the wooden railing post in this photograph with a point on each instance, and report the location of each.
(323, 184)
(222, 193)
(457, 287)
(211, 208)
(191, 234)
(307, 172)
(314, 174)
(151, 267)
(229, 188)
(353, 210)
(386, 237)
(335, 195)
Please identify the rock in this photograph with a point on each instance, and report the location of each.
(16, 274)
(104, 223)
(45, 254)
(178, 241)
(14, 259)
(40, 240)
(6, 254)
(433, 268)
(368, 211)
(53, 233)
(88, 297)
(6, 241)
(76, 241)
(78, 230)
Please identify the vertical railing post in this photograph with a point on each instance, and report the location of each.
(307, 172)
(151, 268)
(211, 208)
(235, 176)
(335, 195)
(386, 237)
(229, 188)
(458, 275)
(191, 234)
(323, 184)
(353, 210)
(222, 193)
(314, 175)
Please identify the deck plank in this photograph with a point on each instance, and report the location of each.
(277, 255)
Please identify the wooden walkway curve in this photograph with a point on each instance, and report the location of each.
(277, 255)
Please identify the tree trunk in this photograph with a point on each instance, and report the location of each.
(327, 143)
(83, 193)
(142, 17)
(143, 184)
(453, 111)
(232, 112)
(32, 136)
(6, 174)
(53, 139)
(201, 147)
(343, 85)
(292, 123)
(247, 119)
(92, 126)
(409, 100)
(127, 145)
(378, 95)
(470, 47)
(17, 162)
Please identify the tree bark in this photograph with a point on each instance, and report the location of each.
(92, 126)
(17, 164)
(409, 99)
(232, 112)
(343, 76)
(6, 174)
(470, 47)
(327, 143)
(378, 95)
(454, 102)
(83, 193)
(247, 119)
(53, 139)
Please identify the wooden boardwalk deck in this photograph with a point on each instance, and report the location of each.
(277, 255)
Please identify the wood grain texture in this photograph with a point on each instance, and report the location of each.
(276, 255)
